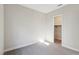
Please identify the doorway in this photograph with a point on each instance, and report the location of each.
(58, 29)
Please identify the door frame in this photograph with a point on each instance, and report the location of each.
(61, 27)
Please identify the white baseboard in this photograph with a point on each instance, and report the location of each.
(70, 48)
(17, 47)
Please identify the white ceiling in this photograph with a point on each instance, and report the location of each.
(45, 8)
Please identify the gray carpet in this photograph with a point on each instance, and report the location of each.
(42, 49)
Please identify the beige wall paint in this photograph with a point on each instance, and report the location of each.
(57, 27)
(57, 20)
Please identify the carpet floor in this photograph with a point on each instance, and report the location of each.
(42, 49)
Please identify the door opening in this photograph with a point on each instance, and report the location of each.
(57, 30)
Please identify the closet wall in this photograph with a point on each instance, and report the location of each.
(57, 28)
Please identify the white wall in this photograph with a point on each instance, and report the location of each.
(70, 25)
(23, 26)
(1, 29)
(49, 28)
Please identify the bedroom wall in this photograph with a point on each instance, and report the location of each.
(1, 29)
(24, 26)
(70, 22)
